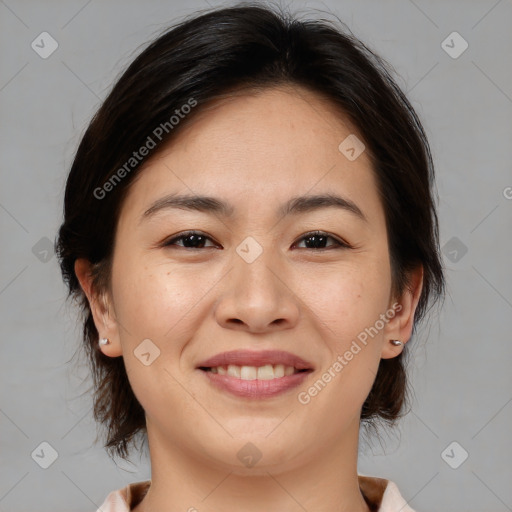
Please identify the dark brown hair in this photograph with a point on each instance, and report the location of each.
(198, 60)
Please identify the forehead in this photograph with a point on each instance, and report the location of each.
(253, 149)
(287, 122)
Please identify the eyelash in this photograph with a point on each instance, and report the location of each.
(340, 244)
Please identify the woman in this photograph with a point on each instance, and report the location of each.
(250, 228)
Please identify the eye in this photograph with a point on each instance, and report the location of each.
(191, 240)
(196, 240)
(318, 238)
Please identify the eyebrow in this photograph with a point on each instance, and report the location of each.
(294, 206)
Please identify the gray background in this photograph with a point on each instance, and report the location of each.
(461, 365)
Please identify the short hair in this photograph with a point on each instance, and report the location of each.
(210, 55)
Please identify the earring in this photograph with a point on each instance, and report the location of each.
(104, 341)
(396, 343)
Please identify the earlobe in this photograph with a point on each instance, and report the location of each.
(392, 348)
(401, 326)
(98, 303)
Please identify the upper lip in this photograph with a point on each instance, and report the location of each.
(256, 358)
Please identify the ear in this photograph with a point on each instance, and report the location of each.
(401, 325)
(101, 308)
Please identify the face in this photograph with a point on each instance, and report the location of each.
(313, 282)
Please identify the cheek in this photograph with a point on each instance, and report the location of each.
(347, 300)
(160, 301)
(347, 312)
(156, 303)
(150, 299)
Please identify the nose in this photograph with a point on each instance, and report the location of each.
(255, 297)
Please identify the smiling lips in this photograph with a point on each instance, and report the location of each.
(254, 374)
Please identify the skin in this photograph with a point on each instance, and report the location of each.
(255, 151)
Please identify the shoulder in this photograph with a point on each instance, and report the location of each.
(382, 495)
(125, 499)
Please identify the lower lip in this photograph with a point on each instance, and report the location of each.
(256, 388)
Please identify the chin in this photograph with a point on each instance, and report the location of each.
(258, 456)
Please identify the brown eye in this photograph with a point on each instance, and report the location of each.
(318, 239)
(190, 239)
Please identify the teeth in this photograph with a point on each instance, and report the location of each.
(289, 370)
(266, 372)
(279, 370)
(233, 371)
(248, 373)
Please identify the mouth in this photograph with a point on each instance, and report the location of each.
(253, 374)
(266, 372)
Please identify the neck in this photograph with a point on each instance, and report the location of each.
(324, 483)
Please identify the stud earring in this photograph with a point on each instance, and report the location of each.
(104, 341)
(396, 343)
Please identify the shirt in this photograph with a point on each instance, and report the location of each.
(380, 494)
